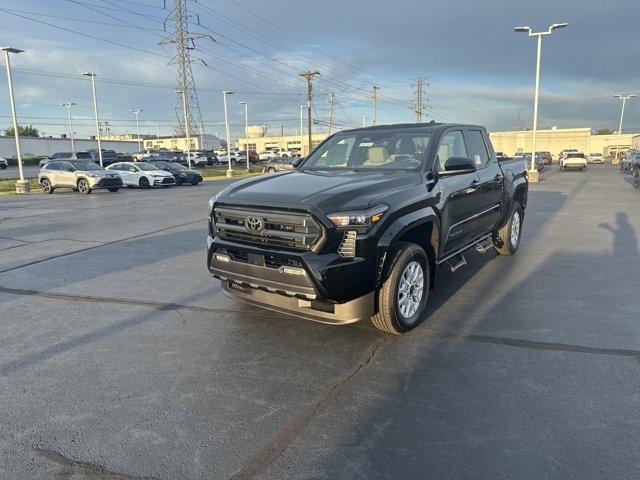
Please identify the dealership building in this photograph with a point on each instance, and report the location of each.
(557, 139)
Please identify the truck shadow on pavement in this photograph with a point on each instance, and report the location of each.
(469, 405)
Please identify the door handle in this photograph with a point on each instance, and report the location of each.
(473, 186)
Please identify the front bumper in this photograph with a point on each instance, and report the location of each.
(95, 183)
(323, 288)
(163, 181)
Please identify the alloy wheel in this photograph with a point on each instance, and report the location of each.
(410, 289)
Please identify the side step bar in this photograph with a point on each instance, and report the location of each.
(460, 261)
(485, 245)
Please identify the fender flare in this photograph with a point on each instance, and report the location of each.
(388, 241)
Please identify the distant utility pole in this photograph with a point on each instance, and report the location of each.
(332, 97)
(518, 125)
(136, 112)
(68, 106)
(418, 106)
(374, 98)
(185, 42)
(308, 74)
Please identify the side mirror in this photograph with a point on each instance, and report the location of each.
(297, 161)
(459, 165)
(70, 169)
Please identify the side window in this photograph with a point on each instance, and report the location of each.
(477, 148)
(65, 166)
(451, 145)
(53, 166)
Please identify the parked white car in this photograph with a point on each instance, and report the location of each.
(596, 158)
(573, 160)
(198, 159)
(142, 174)
(235, 158)
(267, 155)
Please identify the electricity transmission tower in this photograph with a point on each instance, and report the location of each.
(418, 104)
(187, 106)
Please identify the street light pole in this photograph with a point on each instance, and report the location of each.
(186, 124)
(136, 112)
(226, 123)
(364, 120)
(95, 111)
(69, 105)
(22, 185)
(527, 29)
(246, 129)
(624, 99)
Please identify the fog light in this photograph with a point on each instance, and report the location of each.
(292, 270)
(223, 258)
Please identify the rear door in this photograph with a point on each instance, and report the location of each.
(491, 187)
(457, 192)
(66, 175)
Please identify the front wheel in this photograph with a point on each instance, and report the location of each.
(507, 239)
(636, 179)
(144, 182)
(83, 186)
(113, 189)
(403, 296)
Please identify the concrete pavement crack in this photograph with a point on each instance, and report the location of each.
(70, 468)
(273, 448)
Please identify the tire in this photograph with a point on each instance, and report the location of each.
(3, 167)
(394, 316)
(113, 189)
(45, 186)
(636, 179)
(271, 170)
(506, 240)
(83, 186)
(195, 182)
(178, 181)
(144, 182)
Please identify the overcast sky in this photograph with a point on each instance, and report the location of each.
(478, 70)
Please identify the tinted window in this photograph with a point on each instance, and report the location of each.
(477, 148)
(53, 166)
(451, 145)
(65, 166)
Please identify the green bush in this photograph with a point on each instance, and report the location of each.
(13, 161)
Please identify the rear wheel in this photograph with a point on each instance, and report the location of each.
(271, 170)
(507, 239)
(195, 182)
(83, 186)
(144, 182)
(45, 185)
(636, 179)
(403, 296)
(178, 181)
(114, 189)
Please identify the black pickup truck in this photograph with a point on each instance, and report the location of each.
(358, 228)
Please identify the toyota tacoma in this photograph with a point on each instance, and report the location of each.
(358, 228)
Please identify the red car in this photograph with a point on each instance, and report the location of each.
(547, 158)
(253, 156)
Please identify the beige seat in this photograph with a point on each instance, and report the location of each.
(377, 156)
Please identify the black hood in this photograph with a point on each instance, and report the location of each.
(328, 191)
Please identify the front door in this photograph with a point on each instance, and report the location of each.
(458, 193)
(491, 188)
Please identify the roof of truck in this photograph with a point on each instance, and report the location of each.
(400, 126)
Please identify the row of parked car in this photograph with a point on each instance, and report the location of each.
(84, 175)
(630, 163)
(568, 159)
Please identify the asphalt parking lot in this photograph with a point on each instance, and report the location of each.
(121, 359)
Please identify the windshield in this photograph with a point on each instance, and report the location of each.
(146, 166)
(389, 150)
(87, 166)
(176, 166)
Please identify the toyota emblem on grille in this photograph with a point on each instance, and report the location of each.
(254, 224)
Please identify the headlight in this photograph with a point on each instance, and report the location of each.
(211, 202)
(363, 219)
(154, 175)
(93, 175)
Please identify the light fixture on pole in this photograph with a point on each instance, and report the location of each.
(226, 123)
(95, 111)
(246, 130)
(68, 105)
(186, 124)
(526, 29)
(364, 120)
(22, 185)
(136, 112)
(624, 99)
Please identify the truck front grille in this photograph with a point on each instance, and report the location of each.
(276, 228)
